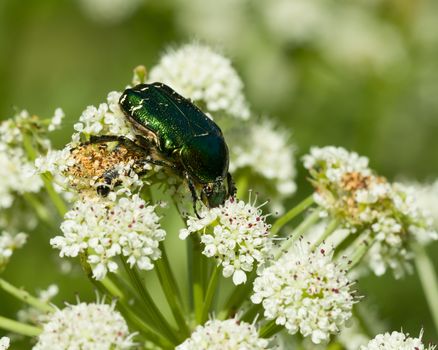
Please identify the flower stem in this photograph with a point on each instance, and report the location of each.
(198, 290)
(331, 227)
(148, 302)
(58, 202)
(171, 290)
(428, 279)
(39, 208)
(18, 327)
(364, 244)
(269, 329)
(106, 286)
(25, 296)
(252, 312)
(211, 289)
(292, 213)
(303, 227)
(237, 297)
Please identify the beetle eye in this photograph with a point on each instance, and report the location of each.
(208, 189)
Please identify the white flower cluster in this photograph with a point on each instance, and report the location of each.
(106, 229)
(267, 153)
(109, 11)
(87, 327)
(90, 168)
(107, 119)
(16, 170)
(56, 121)
(9, 243)
(235, 234)
(349, 190)
(306, 292)
(225, 335)
(427, 199)
(33, 315)
(4, 343)
(206, 77)
(396, 341)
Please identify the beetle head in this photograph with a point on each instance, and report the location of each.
(214, 194)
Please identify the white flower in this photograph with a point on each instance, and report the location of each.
(56, 121)
(225, 335)
(9, 243)
(396, 341)
(235, 234)
(109, 11)
(36, 316)
(107, 229)
(206, 77)
(367, 203)
(95, 326)
(107, 119)
(427, 199)
(267, 153)
(4, 343)
(297, 20)
(306, 292)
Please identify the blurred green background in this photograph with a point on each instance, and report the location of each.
(362, 75)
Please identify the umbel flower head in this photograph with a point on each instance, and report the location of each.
(266, 157)
(235, 234)
(306, 292)
(91, 169)
(225, 335)
(346, 188)
(4, 343)
(16, 169)
(87, 327)
(9, 243)
(104, 230)
(201, 74)
(396, 341)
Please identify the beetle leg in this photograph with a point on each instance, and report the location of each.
(121, 140)
(194, 194)
(231, 186)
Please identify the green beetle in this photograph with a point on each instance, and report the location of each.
(175, 133)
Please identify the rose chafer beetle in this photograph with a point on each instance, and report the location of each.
(175, 133)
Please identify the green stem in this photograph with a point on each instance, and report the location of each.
(58, 202)
(252, 312)
(237, 297)
(107, 286)
(428, 279)
(292, 213)
(364, 244)
(332, 226)
(25, 296)
(54, 196)
(198, 290)
(211, 289)
(171, 290)
(148, 302)
(18, 327)
(269, 329)
(39, 208)
(302, 228)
